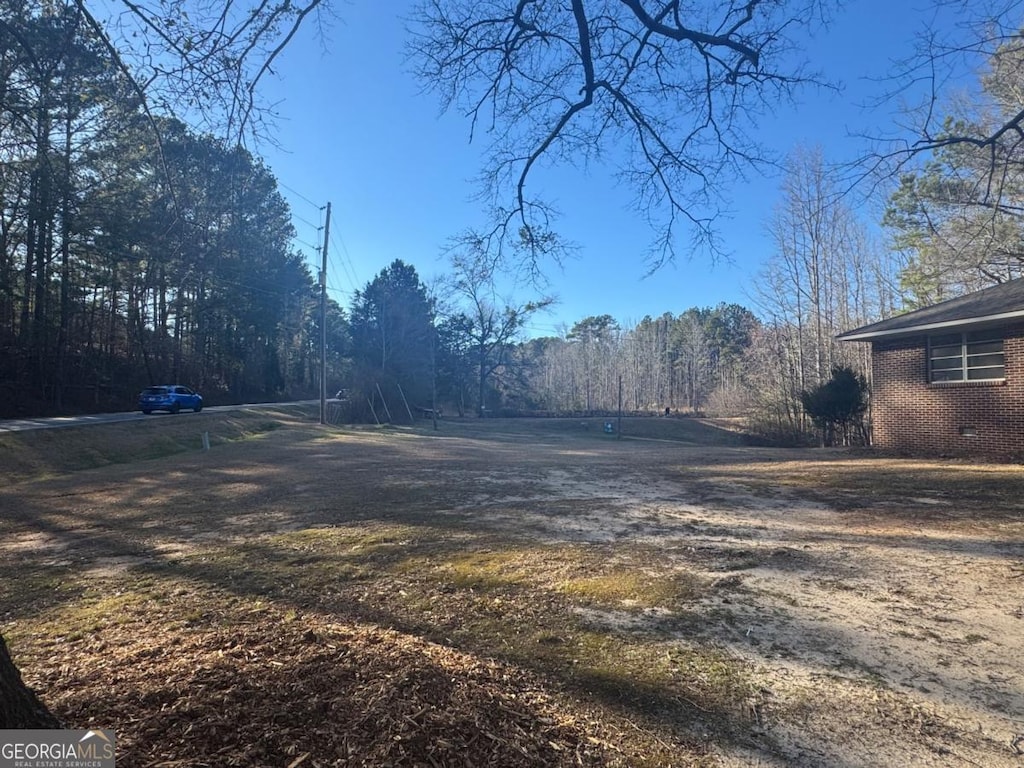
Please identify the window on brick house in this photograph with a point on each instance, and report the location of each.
(975, 356)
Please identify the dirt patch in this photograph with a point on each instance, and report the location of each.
(623, 602)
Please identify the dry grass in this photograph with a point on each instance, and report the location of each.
(400, 597)
(858, 480)
(52, 452)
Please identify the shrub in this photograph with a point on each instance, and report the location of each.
(837, 407)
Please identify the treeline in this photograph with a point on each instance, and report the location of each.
(133, 251)
(415, 349)
(685, 362)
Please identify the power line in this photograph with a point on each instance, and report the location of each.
(312, 252)
(342, 265)
(340, 291)
(300, 195)
(305, 221)
(346, 270)
(348, 258)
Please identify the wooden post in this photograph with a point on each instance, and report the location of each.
(433, 377)
(323, 322)
(619, 430)
(407, 408)
(383, 400)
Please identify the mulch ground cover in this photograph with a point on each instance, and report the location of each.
(262, 688)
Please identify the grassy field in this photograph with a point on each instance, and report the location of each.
(509, 592)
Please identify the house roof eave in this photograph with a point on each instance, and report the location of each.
(911, 330)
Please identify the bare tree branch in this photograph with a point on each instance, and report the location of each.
(959, 40)
(203, 59)
(958, 154)
(140, 91)
(670, 92)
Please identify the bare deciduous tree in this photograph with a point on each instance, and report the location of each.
(957, 37)
(494, 323)
(202, 59)
(960, 216)
(670, 92)
(826, 276)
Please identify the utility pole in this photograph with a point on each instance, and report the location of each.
(323, 320)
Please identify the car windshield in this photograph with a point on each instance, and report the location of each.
(155, 391)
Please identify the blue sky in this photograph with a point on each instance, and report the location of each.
(356, 129)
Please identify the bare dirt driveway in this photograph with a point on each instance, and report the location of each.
(670, 598)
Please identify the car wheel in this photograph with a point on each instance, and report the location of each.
(198, 408)
(175, 408)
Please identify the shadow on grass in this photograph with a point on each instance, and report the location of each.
(275, 689)
(252, 520)
(528, 627)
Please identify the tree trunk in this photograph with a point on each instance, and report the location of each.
(19, 706)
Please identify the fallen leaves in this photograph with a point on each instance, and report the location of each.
(311, 693)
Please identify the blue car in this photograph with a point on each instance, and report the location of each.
(169, 398)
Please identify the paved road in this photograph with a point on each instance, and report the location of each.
(21, 425)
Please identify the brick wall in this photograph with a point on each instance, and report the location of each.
(955, 419)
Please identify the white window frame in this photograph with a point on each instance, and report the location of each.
(968, 343)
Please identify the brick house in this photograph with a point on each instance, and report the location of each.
(949, 379)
